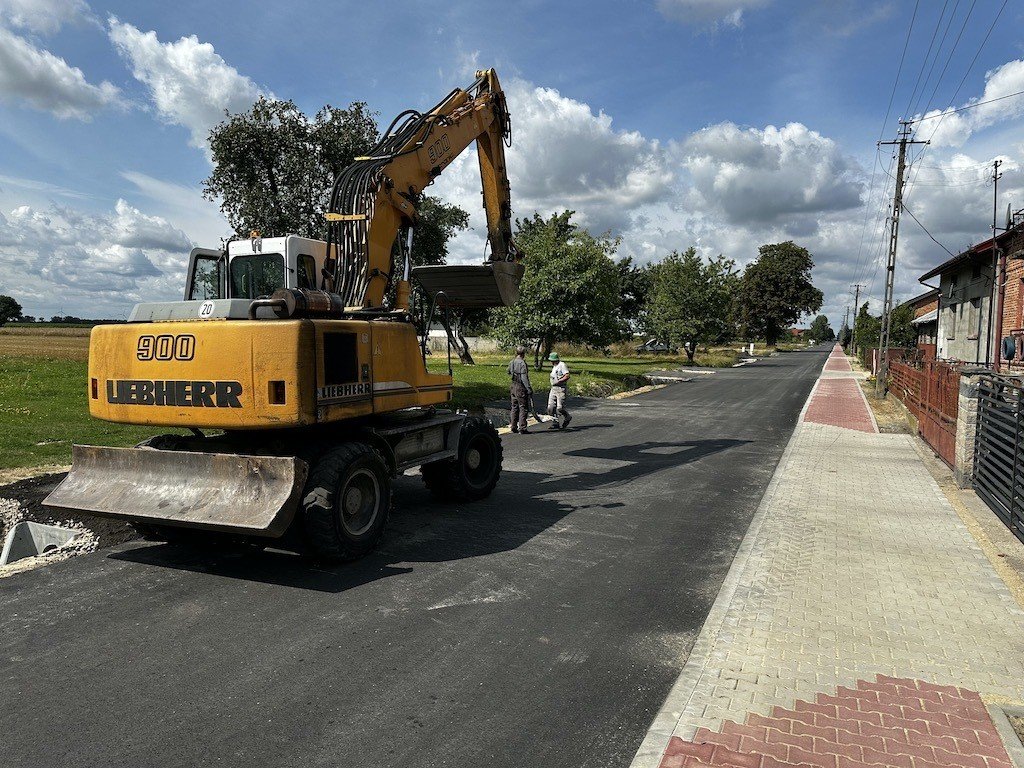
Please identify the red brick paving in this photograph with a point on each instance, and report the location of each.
(899, 722)
(839, 402)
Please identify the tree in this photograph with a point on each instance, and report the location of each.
(689, 300)
(776, 290)
(273, 167)
(902, 332)
(820, 330)
(867, 328)
(273, 172)
(845, 336)
(9, 309)
(570, 292)
(634, 284)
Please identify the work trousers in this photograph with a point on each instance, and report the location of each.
(520, 405)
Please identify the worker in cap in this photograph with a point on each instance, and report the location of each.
(556, 397)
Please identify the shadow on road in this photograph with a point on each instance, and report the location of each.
(425, 531)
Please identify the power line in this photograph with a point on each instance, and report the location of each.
(969, 106)
(952, 50)
(881, 131)
(962, 80)
(935, 60)
(924, 61)
(922, 226)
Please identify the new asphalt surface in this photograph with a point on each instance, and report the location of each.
(541, 627)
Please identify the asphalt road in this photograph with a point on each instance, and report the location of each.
(542, 627)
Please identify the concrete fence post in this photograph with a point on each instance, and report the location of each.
(966, 428)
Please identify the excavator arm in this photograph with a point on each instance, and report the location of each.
(376, 198)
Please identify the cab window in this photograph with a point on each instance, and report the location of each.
(206, 279)
(257, 275)
(307, 271)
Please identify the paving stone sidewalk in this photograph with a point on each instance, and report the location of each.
(861, 624)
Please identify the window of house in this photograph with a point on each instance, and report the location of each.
(973, 318)
(975, 272)
(951, 322)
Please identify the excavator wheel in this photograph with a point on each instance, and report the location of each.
(347, 501)
(474, 472)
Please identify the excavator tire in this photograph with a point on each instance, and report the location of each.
(346, 502)
(474, 472)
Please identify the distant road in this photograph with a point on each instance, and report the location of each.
(542, 627)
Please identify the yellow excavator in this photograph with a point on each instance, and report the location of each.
(301, 361)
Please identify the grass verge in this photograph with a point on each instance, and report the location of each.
(43, 406)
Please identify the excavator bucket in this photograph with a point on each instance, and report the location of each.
(495, 284)
(253, 495)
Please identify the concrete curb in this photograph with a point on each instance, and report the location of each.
(653, 747)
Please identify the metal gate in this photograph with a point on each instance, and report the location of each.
(932, 393)
(998, 458)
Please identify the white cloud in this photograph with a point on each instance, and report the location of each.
(953, 129)
(703, 12)
(90, 264)
(563, 155)
(188, 81)
(766, 174)
(44, 16)
(47, 82)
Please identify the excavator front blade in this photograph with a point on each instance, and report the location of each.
(253, 495)
(495, 284)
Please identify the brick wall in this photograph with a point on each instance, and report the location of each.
(924, 309)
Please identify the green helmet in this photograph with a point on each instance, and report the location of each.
(553, 357)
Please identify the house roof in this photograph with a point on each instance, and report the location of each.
(927, 317)
(1007, 238)
(971, 254)
(922, 298)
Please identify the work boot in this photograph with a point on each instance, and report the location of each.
(524, 431)
(565, 424)
(515, 429)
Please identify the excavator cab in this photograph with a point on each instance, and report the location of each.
(471, 286)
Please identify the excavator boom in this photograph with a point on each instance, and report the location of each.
(378, 195)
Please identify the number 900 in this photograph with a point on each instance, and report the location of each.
(167, 347)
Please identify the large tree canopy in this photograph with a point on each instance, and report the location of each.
(570, 291)
(273, 168)
(689, 300)
(776, 290)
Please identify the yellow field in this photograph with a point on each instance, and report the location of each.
(58, 343)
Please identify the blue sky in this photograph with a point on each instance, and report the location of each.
(717, 123)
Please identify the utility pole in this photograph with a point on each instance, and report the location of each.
(881, 383)
(856, 308)
(998, 276)
(846, 318)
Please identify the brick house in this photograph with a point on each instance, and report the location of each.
(926, 312)
(1011, 243)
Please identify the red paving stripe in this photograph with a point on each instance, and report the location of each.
(785, 740)
(839, 403)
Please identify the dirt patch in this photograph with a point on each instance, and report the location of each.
(23, 501)
(891, 415)
(1018, 727)
(9, 476)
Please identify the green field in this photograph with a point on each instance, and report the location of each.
(43, 408)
